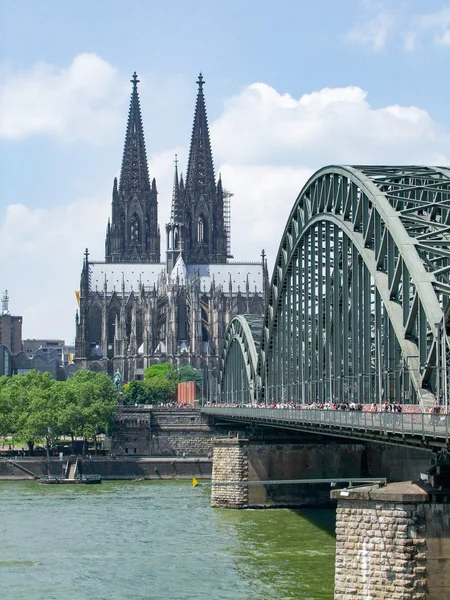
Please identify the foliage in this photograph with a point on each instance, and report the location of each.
(162, 390)
(35, 407)
(189, 373)
(175, 373)
(160, 383)
(163, 370)
(137, 392)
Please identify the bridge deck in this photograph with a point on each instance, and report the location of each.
(416, 429)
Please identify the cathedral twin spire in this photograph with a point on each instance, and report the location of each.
(134, 172)
(133, 234)
(200, 171)
(197, 214)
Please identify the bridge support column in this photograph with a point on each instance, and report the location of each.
(392, 542)
(230, 464)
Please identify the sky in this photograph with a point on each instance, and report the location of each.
(291, 86)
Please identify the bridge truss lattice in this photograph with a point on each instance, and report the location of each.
(359, 302)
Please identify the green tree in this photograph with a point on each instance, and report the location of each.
(31, 400)
(161, 390)
(162, 370)
(137, 392)
(189, 373)
(40, 421)
(90, 405)
(177, 373)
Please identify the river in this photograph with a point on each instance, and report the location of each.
(157, 540)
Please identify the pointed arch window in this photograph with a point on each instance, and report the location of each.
(200, 230)
(135, 229)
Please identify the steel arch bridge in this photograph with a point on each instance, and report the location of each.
(240, 379)
(359, 303)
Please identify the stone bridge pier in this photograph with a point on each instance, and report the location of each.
(250, 459)
(392, 541)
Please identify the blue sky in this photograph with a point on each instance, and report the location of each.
(290, 86)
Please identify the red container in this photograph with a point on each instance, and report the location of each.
(186, 393)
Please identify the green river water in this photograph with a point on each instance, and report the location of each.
(157, 540)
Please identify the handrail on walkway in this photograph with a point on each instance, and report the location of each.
(402, 424)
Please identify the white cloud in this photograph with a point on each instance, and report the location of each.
(263, 198)
(384, 21)
(81, 102)
(374, 32)
(42, 253)
(260, 126)
(431, 26)
(265, 145)
(269, 144)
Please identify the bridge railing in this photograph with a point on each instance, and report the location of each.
(434, 425)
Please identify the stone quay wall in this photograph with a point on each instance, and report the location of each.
(392, 543)
(229, 464)
(110, 468)
(148, 431)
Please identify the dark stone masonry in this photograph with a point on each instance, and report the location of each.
(145, 431)
(392, 543)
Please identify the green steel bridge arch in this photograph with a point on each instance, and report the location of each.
(359, 302)
(239, 362)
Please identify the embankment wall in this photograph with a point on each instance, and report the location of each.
(118, 468)
(147, 431)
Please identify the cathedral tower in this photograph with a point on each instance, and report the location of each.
(197, 220)
(135, 311)
(133, 233)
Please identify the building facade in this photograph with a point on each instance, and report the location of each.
(64, 352)
(20, 363)
(10, 327)
(134, 309)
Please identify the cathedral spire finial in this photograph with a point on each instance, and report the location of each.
(200, 81)
(134, 80)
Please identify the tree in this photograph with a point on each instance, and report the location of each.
(161, 390)
(35, 407)
(89, 405)
(6, 420)
(177, 373)
(163, 370)
(161, 380)
(32, 404)
(137, 392)
(190, 373)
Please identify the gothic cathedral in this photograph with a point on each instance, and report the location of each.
(135, 310)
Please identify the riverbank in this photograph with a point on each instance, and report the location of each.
(162, 468)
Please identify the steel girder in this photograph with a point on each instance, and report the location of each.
(238, 374)
(359, 305)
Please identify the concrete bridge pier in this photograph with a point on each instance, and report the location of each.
(393, 541)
